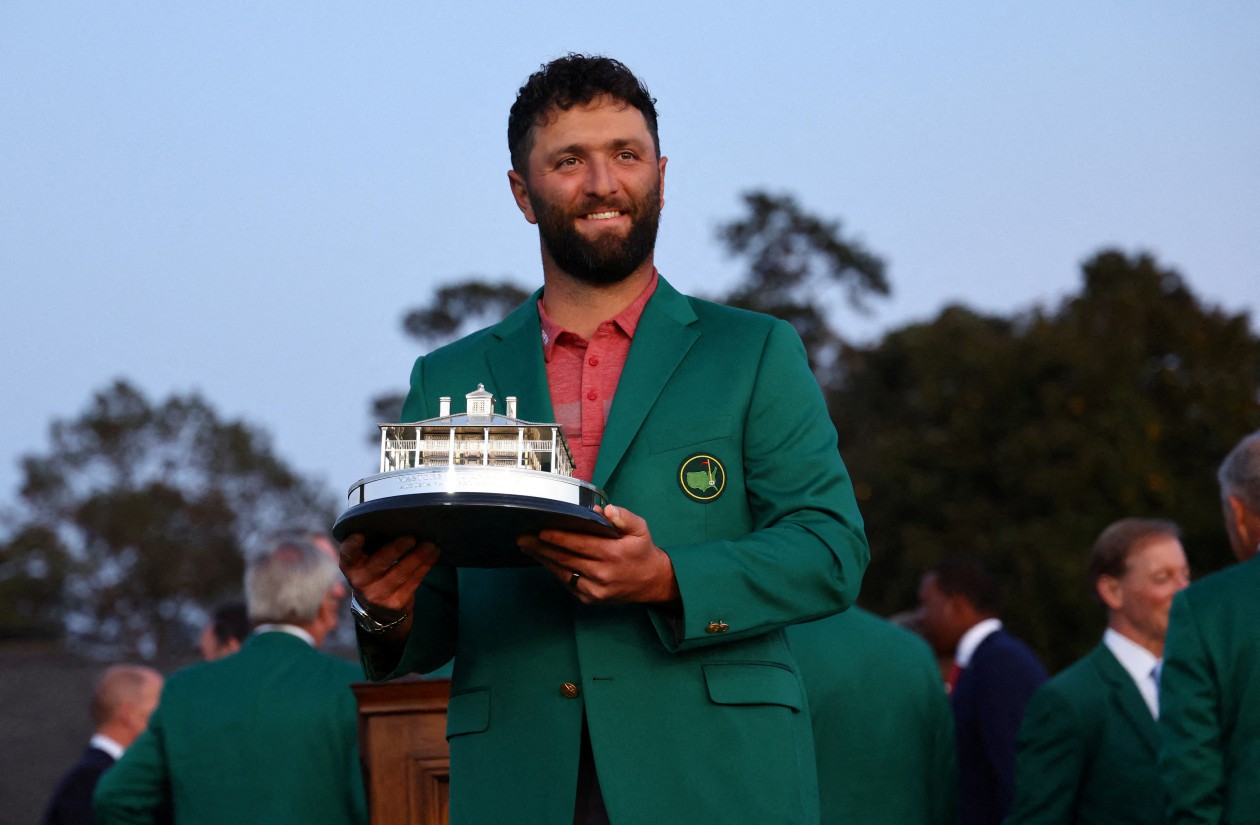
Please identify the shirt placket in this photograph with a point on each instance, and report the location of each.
(596, 395)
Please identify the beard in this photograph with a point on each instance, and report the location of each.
(608, 258)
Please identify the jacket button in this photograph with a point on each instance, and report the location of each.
(717, 627)
(569, 690)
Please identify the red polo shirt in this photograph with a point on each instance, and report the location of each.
(583, 376)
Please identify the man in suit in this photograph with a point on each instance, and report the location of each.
(268, 734)
(643, 678)
(1210, 687)
(124, 698)
(883, 732)
(1089, 745)
(996, 676)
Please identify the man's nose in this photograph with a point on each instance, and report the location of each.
(600, 180)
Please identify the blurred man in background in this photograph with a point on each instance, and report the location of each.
(1210, 687)
(125, 697)
(994, 676)
(1089, 745)
(268, 734)
(883, 734)
(224, 633)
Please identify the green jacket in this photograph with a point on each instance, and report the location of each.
(1088, 750)
(699, 717)
(883, 731)
(268, 734)
(1210, 699)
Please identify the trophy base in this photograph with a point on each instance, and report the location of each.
(473, 529)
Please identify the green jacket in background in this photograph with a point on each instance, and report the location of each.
(883, 731)
(697, 716)
(1088, 750)
(1210, 699)
(266, 735)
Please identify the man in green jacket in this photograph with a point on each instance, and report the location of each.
(883, 730)
(644, 678)
(1089, 745)
(1211, 680)
(268, 734)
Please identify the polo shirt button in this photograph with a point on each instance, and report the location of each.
(569, 690)
(592, 395)
(593, 361)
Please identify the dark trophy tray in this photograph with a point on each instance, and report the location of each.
(473, 529)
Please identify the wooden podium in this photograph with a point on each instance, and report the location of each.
(402, 742)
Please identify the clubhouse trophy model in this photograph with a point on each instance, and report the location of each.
(472, 482)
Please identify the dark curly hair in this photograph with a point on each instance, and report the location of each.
(574, 80)
(967, 576)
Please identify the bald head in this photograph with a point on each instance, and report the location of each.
(125, 697)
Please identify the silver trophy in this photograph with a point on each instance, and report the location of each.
(472, 482)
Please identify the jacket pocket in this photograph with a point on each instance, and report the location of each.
(753, 683)
(690, 433)
(468, 712)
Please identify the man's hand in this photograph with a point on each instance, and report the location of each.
(385, 581)
(598, 570)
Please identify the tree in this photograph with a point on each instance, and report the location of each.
(1014, 438)
(1018, 440)
(138, 518)
(456, 309)
(797, 263)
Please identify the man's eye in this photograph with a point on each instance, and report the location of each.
(627, 155)
(567, 162)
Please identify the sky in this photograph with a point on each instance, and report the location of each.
(242, 199)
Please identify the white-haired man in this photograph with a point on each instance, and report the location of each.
(269, 734)
(1210, 688)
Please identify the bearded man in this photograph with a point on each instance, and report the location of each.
(643, 678)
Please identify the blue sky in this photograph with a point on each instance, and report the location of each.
(243, 198)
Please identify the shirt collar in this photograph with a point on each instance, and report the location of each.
(1134, 658)
(627, 320)
(972, 638)
(103, 743)
(291, 629)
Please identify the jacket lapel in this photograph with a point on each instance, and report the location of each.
(516, 362)
(1124, 696)
(663, 337)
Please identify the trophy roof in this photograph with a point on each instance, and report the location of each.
(480, 412)
(466, 420)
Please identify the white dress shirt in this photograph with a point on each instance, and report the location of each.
(102, 742)
(291, 629)
(1140, 664)
(972, 638)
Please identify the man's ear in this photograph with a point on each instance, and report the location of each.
(520, 192)
(660, 165)
(1109, 591)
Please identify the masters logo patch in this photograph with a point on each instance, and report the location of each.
(702, 477)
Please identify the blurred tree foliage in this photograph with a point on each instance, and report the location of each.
(1015, 439)
(797, 267)
(455, 310)
(137, 520)
(1019, 439)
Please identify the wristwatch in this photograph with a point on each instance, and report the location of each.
(368, 623)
